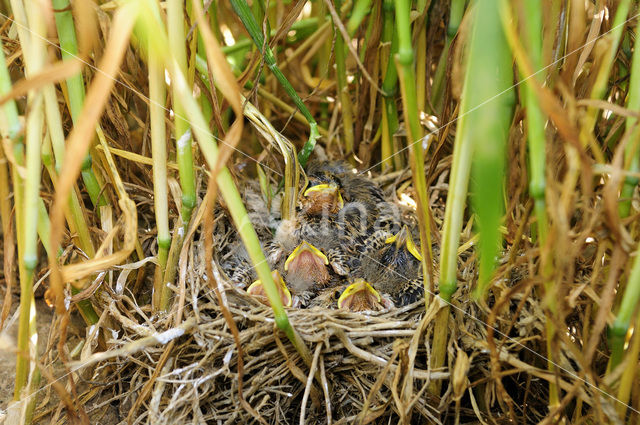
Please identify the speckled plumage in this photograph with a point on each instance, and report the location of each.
(391, 268)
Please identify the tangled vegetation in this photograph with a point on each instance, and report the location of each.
(133, 130)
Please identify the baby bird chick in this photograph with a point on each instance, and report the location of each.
(361, 296)
(351, 186)
(322, 198)
(257, 290)
(306, 267)
(393, 265)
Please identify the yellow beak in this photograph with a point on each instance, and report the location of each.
(403, 237)
(305, 247)
(359, 289)
(257, 290)
(330, 189)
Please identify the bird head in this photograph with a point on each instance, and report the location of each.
(308, 262)
(402, 243)
(322, 197)
(360, 296)
(257, 290)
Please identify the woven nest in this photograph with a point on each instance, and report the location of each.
(183, 367)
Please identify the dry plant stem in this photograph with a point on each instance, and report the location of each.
(307, 387)
(609, 43)
(405, 63)
(291, 169)
(157, 96)
(632, 150)
(184, 155)
(455, 17)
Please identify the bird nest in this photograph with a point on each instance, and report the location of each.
(184, 366)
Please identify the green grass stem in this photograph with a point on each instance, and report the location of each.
(629, 377)
(631, 153)
(390, 120)
(76, 92)
(244, 13)
(184, 155)
(628, 306)
(610, 42)
(405, 62)
(532, 28)
(421, 57)
(361, 9)
(157, 96)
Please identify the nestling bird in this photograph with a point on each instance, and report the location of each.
(322, 198)
(361, 296)
(393, 265)
(257, 290)
(306, 268)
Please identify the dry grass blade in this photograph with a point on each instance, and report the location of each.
(9, 267)
(54, 73)
(227, 84)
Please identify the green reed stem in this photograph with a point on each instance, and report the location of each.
(405, 62)
(360, 10)
(244, 13)
(184, 155)
(34, 53)
(632, 158)
(75, 218)
(533, 27)
(628, 306)
(157, 96)
(307, 24)
(421, 59)
(26, 194)
(75, 90)
(630, 374)
(390, 121)
(481, 134)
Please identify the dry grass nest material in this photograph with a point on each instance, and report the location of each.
(367, 367)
